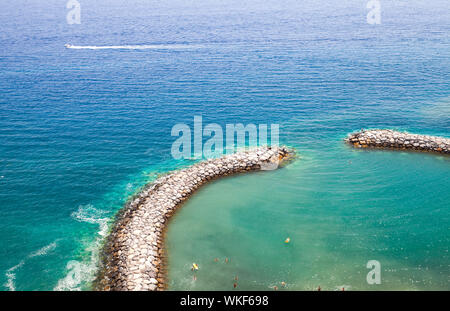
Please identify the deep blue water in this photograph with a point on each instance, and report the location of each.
(81, 130)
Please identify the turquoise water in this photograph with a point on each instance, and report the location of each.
(339, 207)
(81, 130)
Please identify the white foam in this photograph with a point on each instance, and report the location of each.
(84, 272)
(11, 276)
(129, 187)
(72, 279)
(44, 250)
(81, 272)
(10, 281)
(89, 214)
(134, 47)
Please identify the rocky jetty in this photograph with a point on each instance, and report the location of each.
(398, 140)
(134, 252)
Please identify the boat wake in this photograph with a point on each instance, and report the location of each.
(134, 47)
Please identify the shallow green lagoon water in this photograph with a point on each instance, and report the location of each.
(340, 208)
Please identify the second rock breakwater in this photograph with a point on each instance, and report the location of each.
(134, 252)
(399, 140)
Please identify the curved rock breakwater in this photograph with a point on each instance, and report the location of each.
(390, 139)
(134, 253)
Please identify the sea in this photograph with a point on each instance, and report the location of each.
(87, 108)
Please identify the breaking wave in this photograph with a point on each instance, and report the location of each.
(11, 272)
(11, 276)
(90, 214)
(84, 271)
(44, 250)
